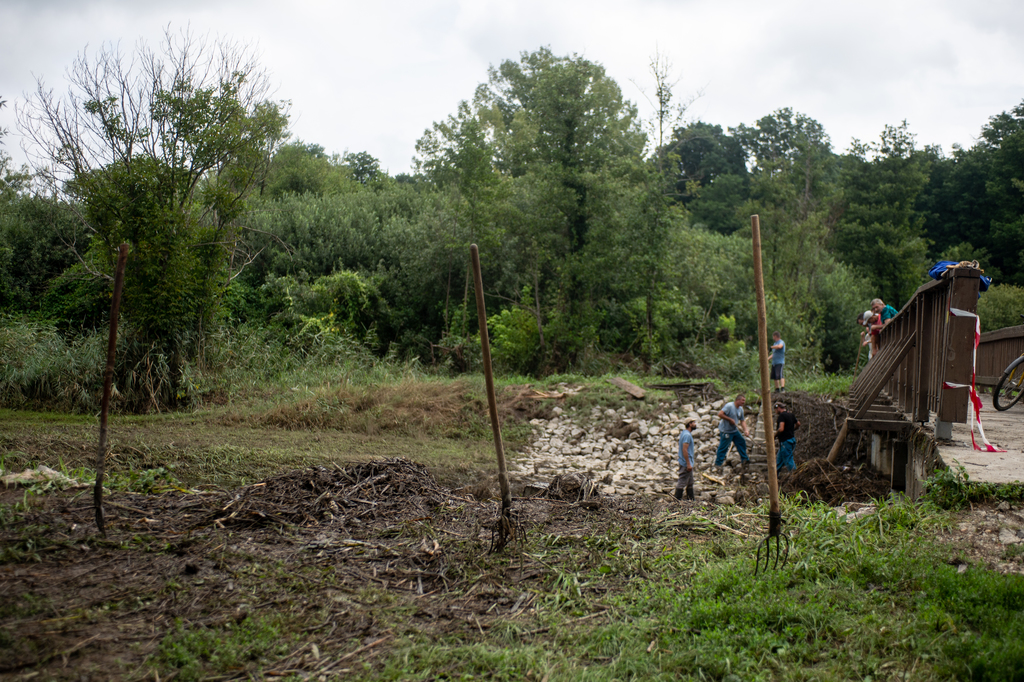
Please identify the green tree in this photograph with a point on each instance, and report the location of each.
(954, 203)
(1001, 306)
(161, 150)
(34, 232)
(1003, 141)
(300, 168)
(364, 167)
(563, 130)
(709, 170)
(796, 191)
(880, 232)
(536, 166)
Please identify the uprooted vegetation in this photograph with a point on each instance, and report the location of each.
(377, 570)
(367, 564)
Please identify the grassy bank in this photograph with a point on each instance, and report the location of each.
(873, 599)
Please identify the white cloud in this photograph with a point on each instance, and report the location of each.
(372, 76)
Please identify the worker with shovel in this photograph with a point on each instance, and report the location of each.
(732, 422)
(686, 448)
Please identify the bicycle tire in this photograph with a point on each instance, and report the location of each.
(1010, 387)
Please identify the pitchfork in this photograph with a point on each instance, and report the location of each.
(773, 556)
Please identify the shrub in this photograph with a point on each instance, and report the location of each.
(1001, 306)
(515, 341)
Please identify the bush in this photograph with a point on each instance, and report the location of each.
(515, 341)
(1001, 306)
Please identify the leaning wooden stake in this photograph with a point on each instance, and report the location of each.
(840, 441)
(505, 525)
(774, 513)
(108, 381)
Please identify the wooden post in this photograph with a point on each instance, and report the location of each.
(108, 381)
(959, 346)
(762, 347)
(492, 403)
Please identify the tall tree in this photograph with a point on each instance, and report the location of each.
(795, 189)
(1003, 142)
(656, 216)
(300, 168)
(880, 233)
(161, 150)
(557, 136)
(562, 125)
(709, 170)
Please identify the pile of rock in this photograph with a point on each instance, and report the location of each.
(628, 454)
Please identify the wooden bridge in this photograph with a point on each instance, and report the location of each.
(913, 398)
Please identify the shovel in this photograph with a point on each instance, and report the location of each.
(775, 556)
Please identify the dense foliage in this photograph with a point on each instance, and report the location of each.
(596, 241)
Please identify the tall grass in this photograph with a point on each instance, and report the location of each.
(44, 368)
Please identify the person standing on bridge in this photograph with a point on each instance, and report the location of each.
(686, 461)
(866, 337)
(778, 361)
(884, 313)
(732, 422)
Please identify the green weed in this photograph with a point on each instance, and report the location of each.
(952, 488)
(197, 652)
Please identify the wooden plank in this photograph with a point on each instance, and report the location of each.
(1004, 333)
(629, 388)
(924, 356)
(885, 371)
(875, 413)
(840, 441)
(880, 425)
(881, 366)
(986, 381)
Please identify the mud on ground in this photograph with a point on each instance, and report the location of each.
(355, 557)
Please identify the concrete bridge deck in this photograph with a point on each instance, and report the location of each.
(1004, 430)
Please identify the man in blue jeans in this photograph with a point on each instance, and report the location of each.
(686, 455)
(729, 428)
(786, 437)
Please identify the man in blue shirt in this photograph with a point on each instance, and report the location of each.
(686, 454)
(729, 429)
(778, 361)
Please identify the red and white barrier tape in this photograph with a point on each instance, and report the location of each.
(975, 414)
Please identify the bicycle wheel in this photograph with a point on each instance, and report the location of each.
(1010, 387)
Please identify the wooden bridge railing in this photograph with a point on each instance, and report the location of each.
(923, 348)
(997, 349)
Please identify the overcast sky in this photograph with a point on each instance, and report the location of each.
(371, 76)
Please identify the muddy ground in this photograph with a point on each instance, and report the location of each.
(356, 556)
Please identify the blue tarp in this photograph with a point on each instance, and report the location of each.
(939, 269)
